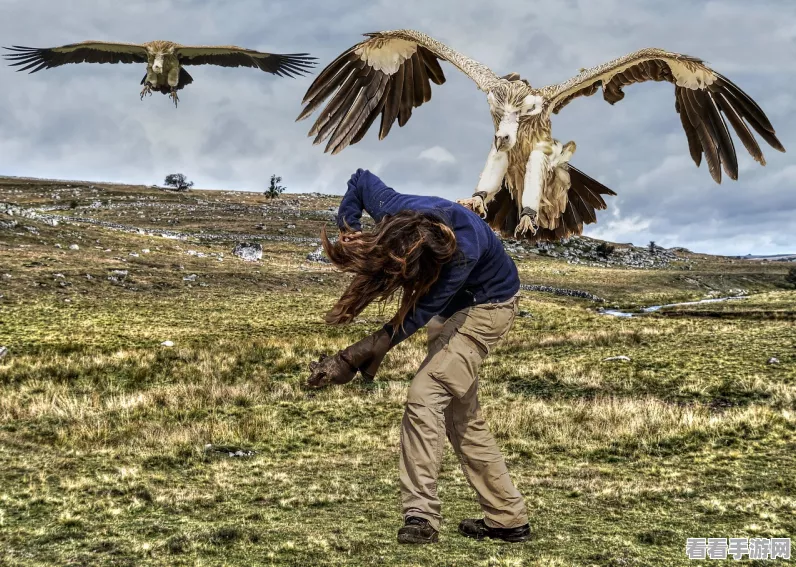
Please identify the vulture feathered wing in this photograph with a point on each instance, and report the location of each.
(388, 74)
(288, 64)
(37, 59)
(703, 98)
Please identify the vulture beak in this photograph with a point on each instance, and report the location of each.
(501, 141)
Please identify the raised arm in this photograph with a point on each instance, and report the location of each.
(365, 192)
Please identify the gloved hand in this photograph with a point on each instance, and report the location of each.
(367, 354)
(330, 370)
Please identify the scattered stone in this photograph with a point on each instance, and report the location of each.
(134, 254)
(3, 351)
(167, 344)
(190, 278)
(74, 247)
(89, 277)
(119, 273)
(58, 246)
(7, 276)
(145, 251)
(773, 360)
(229, 451)
(8, 224)
(622, 358)
(248, 251)
(318, 255)
(558, 291)
(59, 276)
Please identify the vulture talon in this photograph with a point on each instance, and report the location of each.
(527, 222)
(475, 204)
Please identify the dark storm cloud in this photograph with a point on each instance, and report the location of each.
(235, 127)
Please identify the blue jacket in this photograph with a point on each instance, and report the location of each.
(482, 273)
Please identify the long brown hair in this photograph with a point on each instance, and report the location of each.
(405, 252)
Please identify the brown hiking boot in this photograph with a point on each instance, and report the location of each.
(417, 530)
(477, 529)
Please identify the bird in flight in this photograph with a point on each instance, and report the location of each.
(527, 186)
(165, 60)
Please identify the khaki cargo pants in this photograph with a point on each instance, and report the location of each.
(443, 400)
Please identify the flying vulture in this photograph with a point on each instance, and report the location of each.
(165, 60)
(528, 186)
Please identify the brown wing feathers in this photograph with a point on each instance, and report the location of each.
(37, 59)
(583, 199)
(282, 65)
(702, 114)
(364, 93)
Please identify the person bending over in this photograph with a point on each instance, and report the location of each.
(452, 273)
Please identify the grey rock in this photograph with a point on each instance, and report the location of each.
(565, 292)
(773, 360)
(318, 255)
(190, 278)
(74, 247)
(3, 351)
(248, 251)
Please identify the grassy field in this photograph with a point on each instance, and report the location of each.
(103, 430)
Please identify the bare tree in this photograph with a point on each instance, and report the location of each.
(178, 181)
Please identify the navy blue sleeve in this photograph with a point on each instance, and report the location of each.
(365, 192)
(450, 281)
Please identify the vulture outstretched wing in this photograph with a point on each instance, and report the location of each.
(288, 64)
(583, 199)
(387, 74)
(703, 98)
(84, 52)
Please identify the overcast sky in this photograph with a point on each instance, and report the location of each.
(235, 127)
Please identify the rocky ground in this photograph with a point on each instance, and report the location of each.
(84, 204)
(153, 347)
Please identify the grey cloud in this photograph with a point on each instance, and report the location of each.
(235, 127)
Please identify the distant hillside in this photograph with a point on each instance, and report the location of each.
(774, 258)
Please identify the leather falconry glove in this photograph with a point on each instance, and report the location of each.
(367, 354)
(330, 370)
